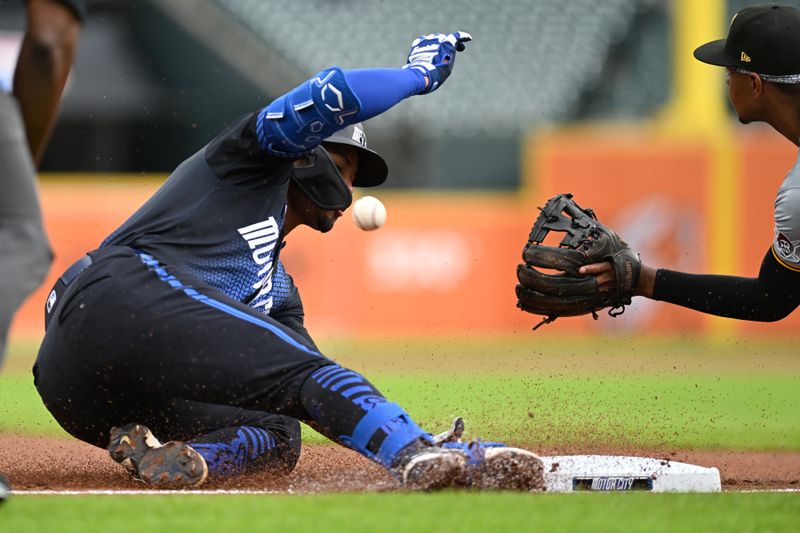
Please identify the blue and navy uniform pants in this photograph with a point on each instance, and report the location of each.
(130, 339)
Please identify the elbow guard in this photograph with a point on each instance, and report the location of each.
(299, 120)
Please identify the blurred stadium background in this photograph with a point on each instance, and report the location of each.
(602, 99)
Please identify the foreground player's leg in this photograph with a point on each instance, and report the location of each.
(246, 441)
(350, 410)
(242, 449)
(204, 347)
(341, 404)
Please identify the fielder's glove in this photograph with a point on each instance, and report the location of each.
(586, 241)
(432, 56)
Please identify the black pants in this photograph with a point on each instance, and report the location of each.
(124, 345)
(132, 340)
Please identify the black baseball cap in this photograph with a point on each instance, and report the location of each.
(764, 39)
(372, 169)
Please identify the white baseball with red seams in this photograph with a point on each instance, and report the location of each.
(369, 213)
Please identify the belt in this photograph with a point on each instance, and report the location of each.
(61, 285)
(76, 268)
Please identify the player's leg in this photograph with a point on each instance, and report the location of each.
(188, 340)
(127, 330)
(277, 370)
(268, 444)
(24, 250)
(369, 423)
(231, 440)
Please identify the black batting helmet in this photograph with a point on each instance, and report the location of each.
(372, 169)
(316, 174)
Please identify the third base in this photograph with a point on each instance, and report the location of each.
(574, 473)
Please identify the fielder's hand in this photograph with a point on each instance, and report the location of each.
(433, 55)
(606, 278)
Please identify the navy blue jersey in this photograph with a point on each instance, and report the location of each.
(220, 216)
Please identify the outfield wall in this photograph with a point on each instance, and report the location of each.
(444, 263)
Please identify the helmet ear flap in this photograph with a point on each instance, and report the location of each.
(320, 179)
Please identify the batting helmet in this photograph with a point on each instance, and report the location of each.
(372, 169)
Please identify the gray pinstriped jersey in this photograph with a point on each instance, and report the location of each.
(787, 219)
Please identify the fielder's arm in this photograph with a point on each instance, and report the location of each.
(770, 297)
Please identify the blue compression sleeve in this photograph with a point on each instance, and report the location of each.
(379, 89)
(296, 122)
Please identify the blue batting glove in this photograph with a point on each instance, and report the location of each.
(433, 55)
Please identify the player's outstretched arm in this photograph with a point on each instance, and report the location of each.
(298, 121)
(771, 296)
(768, 297)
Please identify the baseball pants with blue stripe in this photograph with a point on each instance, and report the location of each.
(133, 340)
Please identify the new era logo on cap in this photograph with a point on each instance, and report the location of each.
(359, 136)
(764, 39)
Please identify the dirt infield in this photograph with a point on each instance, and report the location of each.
(52, 463)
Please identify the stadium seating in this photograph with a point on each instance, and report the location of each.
(530, 63)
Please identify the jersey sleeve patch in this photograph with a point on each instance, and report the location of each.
(786, 246)
(786, 252)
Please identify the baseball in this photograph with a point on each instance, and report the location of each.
(369, 213)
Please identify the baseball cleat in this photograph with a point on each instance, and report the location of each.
(128, 444)
(451, 463)
(434, 468)
(506, 468)
(171, 465)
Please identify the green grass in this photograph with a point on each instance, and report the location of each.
(645, 392)
(731, 412)
(21, 409)
(406, 512)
